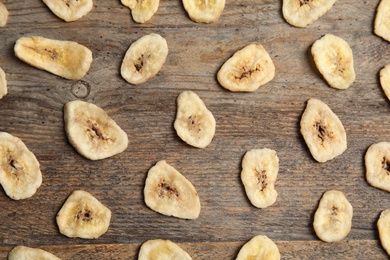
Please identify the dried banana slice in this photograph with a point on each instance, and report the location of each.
(144, 59)
(323, 131)
(259, 247)
(28, 253)
(83, 216)
(301, 13)
(377, 162)
(204, 11)
(333, 218)
(334, 60)
(194, 123)
(384, 76)
(383, 225)
(69, 10)
(259, 171)
(3, 15)
(3, 84)
(162, 249)
(66, 59)
(247, 70)
(382, 20)
(20, 175)
(92, 132)
(142, 10)
(168, 192)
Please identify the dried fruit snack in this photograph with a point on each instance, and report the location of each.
(259, 247)
(3, 15)
(194, 123)
(204, 11)
(28, 253)
(377, 161)
(382, 20)
(334, 60)
(20, 174)
(66, 59)
(301, 13)
(142, 10)
(168, 192)
(144, 58)
(384, 77)
(323, 131)
(69, 10)
(333, 218)
(259, 171)
(383, 225)
(162, 249)
(83, 216)
(247, 70)
(3, 84)
(93, 133)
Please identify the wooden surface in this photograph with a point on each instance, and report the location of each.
(269, 117)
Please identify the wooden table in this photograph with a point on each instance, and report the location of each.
(269, 117)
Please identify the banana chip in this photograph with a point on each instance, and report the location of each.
(20, 175)
(83, 216)
(66, 59)
(333, 218)
(144, 59)
(204, 11)
(28, 253)
(259, 171)
(3, 15)
(383, 225)
(69, 10)
(301, 13)
(162, 249)
(142, 10)
(377, 162)
(260, 248)
(384, 76)
(323, 131)
(334, 60)
(382, 20)
(247, 70)
(3, 84)
(194, 123)
(168, 192)
(92, 132)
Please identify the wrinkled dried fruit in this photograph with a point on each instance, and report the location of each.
(260, 248)
(259, 171)
(377, 162)
(382, 20)
(384, 76)
(333, 218)
(28, 253)
(3, 15)
(162, 249)
(168, 192)
(3, 84)
(383, 225)
(323, 131)
(69, 10)
(204, 11)
(142, 10)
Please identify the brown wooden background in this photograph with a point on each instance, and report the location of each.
(269, 117)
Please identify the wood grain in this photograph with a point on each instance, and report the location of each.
(269, 117)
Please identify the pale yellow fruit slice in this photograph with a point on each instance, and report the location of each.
(260, 248)
(194, 123)
(144, 58)
(66, 59)
(384, 76)
(323, 131)
(204, 11)
(301, 13)
(83, 216)
(142, 10)
(333, 218)
(383, 226)
(3, 15)
(69, 10)
(334, 60)
(3, 84)
(259, 171)
(20, 175)
(28, 253)
(377, 162)
(159, 249)
(168, 192)
(247, 70)
(92, 132)
(382, 20)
